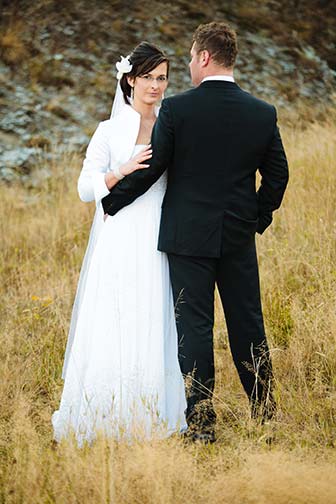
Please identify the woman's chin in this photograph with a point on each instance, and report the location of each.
(152, 100)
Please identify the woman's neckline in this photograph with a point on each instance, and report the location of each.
(130, 107)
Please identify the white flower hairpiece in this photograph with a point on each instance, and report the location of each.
(123, 66)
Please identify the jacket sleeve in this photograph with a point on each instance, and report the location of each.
(91, 183)
(138, 182)
(274, 178)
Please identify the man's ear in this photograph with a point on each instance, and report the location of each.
(204, 58)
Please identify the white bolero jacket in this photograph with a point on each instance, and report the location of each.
(111, 145)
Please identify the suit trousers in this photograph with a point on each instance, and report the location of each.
(237, 278)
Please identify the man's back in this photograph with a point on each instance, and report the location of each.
(222, 136)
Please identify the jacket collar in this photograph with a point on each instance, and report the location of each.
(125, 129)
(129, 111)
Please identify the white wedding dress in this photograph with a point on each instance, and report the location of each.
(123, 376)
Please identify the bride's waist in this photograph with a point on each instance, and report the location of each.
(157, 190)
(151, 198)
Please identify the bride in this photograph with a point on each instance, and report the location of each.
(121, 372)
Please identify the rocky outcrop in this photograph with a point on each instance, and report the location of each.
(57, 74)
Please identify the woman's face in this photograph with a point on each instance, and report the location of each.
(149, 87)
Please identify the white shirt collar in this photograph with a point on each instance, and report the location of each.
(228, 78)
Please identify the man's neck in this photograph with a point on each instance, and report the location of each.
(215, 70)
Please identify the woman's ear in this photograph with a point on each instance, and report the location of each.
(130, 81)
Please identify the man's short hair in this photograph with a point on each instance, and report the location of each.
(220, 40)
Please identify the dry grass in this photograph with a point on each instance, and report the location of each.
(43, 234)
(13, 49)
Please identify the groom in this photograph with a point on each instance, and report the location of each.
(213, 139)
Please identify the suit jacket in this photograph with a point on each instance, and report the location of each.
(212, 140)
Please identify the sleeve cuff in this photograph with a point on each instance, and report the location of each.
(99, 187)
(264, 221)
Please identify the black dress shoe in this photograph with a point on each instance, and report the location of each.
(199, 436)
(205, 437)
(201, 419)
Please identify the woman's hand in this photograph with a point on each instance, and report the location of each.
(135, 163)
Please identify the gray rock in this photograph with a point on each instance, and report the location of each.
(20, 159)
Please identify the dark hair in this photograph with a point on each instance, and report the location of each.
(144, 58)
(220, 40)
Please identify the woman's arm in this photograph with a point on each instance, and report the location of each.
(91, 183)
(95, 180)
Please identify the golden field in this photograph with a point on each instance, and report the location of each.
(44, 228)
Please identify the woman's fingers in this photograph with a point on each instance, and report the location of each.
(145, 153)
(143, 158)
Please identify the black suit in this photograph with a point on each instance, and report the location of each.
(213, 139)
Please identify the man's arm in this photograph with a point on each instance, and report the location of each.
(136, 184)
(274, 179)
